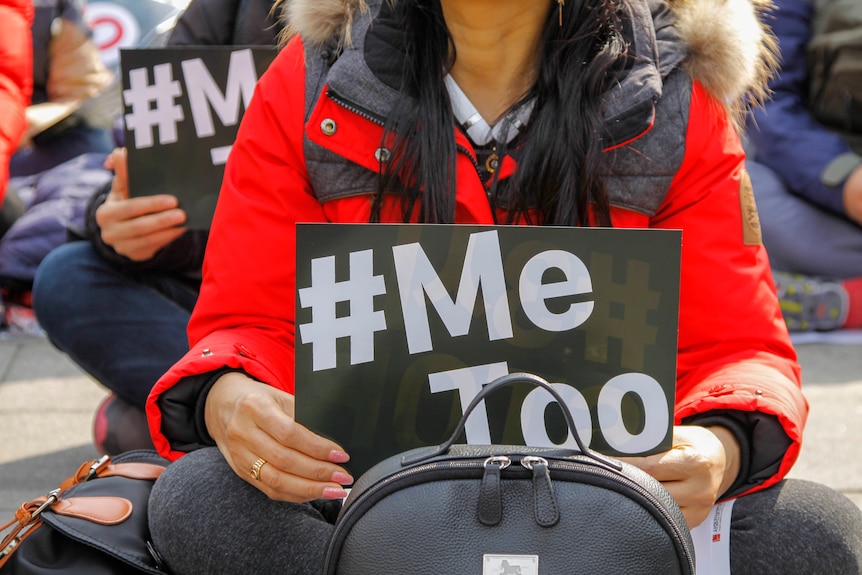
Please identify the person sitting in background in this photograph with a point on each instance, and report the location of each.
(118, 304)
(67, 74)
(610, 113)
(67, 71)
(805, 162)
(16, 86)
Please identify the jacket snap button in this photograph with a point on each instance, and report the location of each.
(329, 127)
(382, 155)
(492, 163)
(207, 352)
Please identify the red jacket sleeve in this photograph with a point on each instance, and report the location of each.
(16, 78)
(244, 314)
(734, 349)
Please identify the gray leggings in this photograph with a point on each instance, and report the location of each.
(204, 519)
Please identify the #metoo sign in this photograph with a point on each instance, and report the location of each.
(399, 326)
(183, 107)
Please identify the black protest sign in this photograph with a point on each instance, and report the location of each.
(183, 106)
(399, 326)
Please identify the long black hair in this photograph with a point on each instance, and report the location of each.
(559, 153)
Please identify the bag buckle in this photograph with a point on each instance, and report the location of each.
(53, 497)
(25, 523)
(97, 467)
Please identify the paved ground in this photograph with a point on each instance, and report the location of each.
(47, 404)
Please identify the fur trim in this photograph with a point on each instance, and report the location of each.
(733, 53)
(321, 21)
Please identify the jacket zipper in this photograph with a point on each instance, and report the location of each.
(374, 118)
(473, 161)
(361, 112)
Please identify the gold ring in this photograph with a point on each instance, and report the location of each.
(255, 469)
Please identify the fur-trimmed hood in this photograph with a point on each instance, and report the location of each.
(731, 51)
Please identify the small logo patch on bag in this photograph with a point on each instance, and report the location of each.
(511, 565)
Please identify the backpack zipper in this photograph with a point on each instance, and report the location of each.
(588, 467)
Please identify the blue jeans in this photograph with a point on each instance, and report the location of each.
(126, 331)
(37, 158)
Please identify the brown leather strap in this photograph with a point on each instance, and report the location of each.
(81, 474)
(149, 471)
(101, 510)
(104, 468)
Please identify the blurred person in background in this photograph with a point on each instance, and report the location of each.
(119, 302)
(805, 162)
(67, 71)
(16, 85)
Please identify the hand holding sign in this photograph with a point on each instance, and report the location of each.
(136, 227)
(183, 106)
(253, 422)
(702, 464)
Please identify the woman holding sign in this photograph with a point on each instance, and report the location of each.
(613, 113)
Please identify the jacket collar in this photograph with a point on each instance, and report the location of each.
(724, 45)
(731, 51)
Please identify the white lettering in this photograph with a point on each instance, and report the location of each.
(205, 95)
(534, 293)
(483, 265)
(533, 417)
(468, 383)
(655, 414)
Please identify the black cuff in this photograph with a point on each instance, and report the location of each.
(762, 444)
(183, 411)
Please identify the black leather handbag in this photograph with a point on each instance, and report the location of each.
(94, 523)
(508, 510)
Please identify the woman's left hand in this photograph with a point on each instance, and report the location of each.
(702, 464)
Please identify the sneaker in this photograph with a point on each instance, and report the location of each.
(811, 303)
(119, 427)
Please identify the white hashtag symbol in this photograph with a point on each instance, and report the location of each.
(361, 323)
(144, 117)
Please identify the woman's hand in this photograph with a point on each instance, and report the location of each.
(702, 464)
(136, 227)
(251, 420)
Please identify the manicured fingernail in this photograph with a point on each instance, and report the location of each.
(337, 456)
(334, 493)
(342, 478)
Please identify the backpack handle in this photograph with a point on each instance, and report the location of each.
(487, 390)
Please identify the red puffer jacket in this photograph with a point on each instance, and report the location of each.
(734, 350)
(16, 78)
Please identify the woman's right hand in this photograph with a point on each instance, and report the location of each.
(136, 227)
(251, 420)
